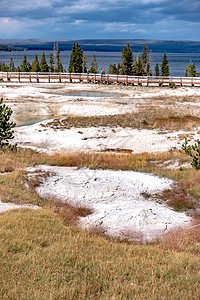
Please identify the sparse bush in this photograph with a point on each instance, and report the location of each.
(193, 151)
(172, 86)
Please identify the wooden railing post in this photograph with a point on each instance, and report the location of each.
(126, 79)
(99, 78)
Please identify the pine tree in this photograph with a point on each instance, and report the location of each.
(112, 69)
(58, 59)
(35, 65)
(51, 68)
(43, 64)
(78, 62)
(94, 65)
(4, 67)
(58, 62)
(72, 59)
(76, 59)
(157, 70)
(24, 65)
(191, 70)
(165, 66)
(6, 132)
(138, 67)
(127, 60)
(145, 61)
(119, 69)
(11, 66)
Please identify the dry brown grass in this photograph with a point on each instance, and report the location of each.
(184, 239)
(178, 198)
(67, 212)
(42, 259)
(186, 122)
(148, 116)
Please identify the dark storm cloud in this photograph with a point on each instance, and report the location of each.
(185, 10)
(144, 11)
(95, 16)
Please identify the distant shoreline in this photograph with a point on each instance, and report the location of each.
(106, 45)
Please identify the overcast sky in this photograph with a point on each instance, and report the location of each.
(92, 19)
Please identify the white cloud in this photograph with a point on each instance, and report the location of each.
(122, 27)
(8, 27)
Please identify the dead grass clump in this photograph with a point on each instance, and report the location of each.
(69, 213)
(186, 122)
(34, 180)
(6, 162)
(187, 99)
(7, 167)
(184, 239)
(132, 236)
(178, 198)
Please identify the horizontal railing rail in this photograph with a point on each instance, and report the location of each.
(98, 78)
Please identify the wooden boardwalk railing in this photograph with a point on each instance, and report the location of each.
(98, 78)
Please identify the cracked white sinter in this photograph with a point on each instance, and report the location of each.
(118, 200)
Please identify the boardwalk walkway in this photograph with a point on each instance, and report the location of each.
(98, 78)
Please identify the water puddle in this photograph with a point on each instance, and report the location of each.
(27, 121)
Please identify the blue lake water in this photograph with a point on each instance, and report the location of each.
(177, 61)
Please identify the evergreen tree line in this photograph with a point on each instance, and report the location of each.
(139, 66)
(36, 66)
